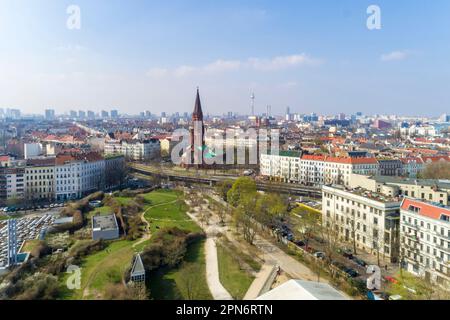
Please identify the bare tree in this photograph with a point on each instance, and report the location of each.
(189, 281)
(329, 231)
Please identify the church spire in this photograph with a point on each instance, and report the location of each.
(197, 115)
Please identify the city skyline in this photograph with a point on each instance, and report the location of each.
(128, 58)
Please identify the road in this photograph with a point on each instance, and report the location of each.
(194, 177)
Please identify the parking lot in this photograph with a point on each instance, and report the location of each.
(29, 227)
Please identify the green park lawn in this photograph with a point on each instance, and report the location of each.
(235, 279)
(168, 210)
(168, 284)
(102, 268)
(29, 245)
(165, 208)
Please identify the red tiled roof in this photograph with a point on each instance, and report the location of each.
(426, 209)
(313, 157)
(435, 159)
(344, 160)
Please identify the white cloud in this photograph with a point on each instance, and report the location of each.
(394, 56)
(157, 72)
(71, 48)
(256, 64)
(222, 65)
(184, 71)
(282, 62)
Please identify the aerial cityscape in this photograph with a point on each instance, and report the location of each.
(145, 156)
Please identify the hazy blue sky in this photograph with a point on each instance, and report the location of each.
(314, 56)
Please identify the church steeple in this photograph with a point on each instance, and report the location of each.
(197, 115)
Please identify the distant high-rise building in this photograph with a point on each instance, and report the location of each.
(114, 114)
(341, 116)
(163, 114)
(73, 114)
(105, 114)
(288, 114)
(81, 114)
(12, 113)
(148, 114)
(445, 118)
(49, 114)
(91, 114)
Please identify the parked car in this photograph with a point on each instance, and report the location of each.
(359, 262)
(351, 272)
(346, 253)
(319, 255)
(299, 243)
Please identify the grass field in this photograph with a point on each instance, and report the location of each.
(165, 209)
(29, 245)
(235, 279)
(102, 268)
(168, 210)
(167, 284)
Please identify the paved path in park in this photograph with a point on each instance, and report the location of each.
(273, 255)
(212, 262)
(212, 272)
(261, 280)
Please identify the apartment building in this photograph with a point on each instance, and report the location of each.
(114, 171)
(284, 166)
(78, 174)
(425, 189)
(390, 167)
(362, 218)
(40, 179)
(14, 183)
(320, 169)
(425, 240)
(135, 150)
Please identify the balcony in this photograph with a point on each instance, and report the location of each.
(443, 248)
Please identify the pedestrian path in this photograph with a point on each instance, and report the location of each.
(212, 272)
(262, 280)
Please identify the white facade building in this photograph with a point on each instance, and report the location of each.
(425, 240)
(78, 176)
(364, 219)
(284, 167)
(136, 150)
(319, 169)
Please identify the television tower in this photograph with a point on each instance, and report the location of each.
(253, 103)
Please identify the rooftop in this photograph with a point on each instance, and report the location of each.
(427, 209)
(443, 184)
(293, 154)
(138, 266)
(303, 290)
(367, 194)
(105, 222)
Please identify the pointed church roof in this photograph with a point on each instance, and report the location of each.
(198, 113)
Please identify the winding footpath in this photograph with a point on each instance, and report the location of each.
(212, 262)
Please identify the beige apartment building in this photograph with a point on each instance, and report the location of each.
(425, 189)
(365, 218)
